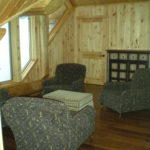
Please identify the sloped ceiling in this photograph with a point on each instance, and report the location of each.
(13, 8)
(98, 2)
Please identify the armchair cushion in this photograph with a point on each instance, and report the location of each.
(54, 87)
(49, 81)
(78, 85)
(67, 73)
(140, 98)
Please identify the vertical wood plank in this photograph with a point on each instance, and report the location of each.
(15, 46)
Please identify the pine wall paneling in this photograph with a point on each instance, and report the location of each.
(15, 47)
(91, 33)
(61, 48)
(39, 43)
(125, 26)
(100, 2)
(39, 46)
(129, 26)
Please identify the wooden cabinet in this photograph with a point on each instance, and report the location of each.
(121, 64)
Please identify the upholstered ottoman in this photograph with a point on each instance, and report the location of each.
(75, 101)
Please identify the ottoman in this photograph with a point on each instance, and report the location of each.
(75, 101)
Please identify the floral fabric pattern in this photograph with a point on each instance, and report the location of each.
(41, 124)
(130, 96)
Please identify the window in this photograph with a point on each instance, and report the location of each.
(55, 17)
(51, 25)
(24, 30)
(5, 56)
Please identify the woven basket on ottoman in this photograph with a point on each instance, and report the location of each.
(74, 100)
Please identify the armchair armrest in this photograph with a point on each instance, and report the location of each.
(135, 99)
(4, 95)
(83, 123)
(117, 85)
(86, 114)
(143, 94)
(49, 81)
(78, 85)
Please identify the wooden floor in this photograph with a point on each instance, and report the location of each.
(131, 132)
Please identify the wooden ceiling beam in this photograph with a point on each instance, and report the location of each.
(45, 8)
(101, 2)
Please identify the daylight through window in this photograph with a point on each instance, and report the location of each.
(24, 30)
(5, 56)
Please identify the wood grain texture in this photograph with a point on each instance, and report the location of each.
(101, 2)
(39, 45)
(58, 14)
(61, 48)
(25, 89)
(15, 47)
(91, 44)
(112, 26)
(129, 26)
(38, 66)
(111, 133)
(46, 7)
(12, 8)
(61, 21)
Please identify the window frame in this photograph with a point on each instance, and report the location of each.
(32, 61)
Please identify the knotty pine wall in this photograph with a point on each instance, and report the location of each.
(61, 48)
(128, 23)
(29, 83)
(127, 27)
(39, 44)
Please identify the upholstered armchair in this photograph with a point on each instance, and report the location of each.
(41, 124)
(129, 96)
(69, 76)
(4, 95)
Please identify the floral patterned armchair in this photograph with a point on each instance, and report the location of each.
(41, 124)
(129, 96)
(69, 76)
(4, 96)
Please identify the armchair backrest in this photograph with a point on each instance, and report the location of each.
(141, 79)
(33, 120)
(69, 72)
(4, 95)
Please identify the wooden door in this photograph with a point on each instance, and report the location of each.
(92, 42)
